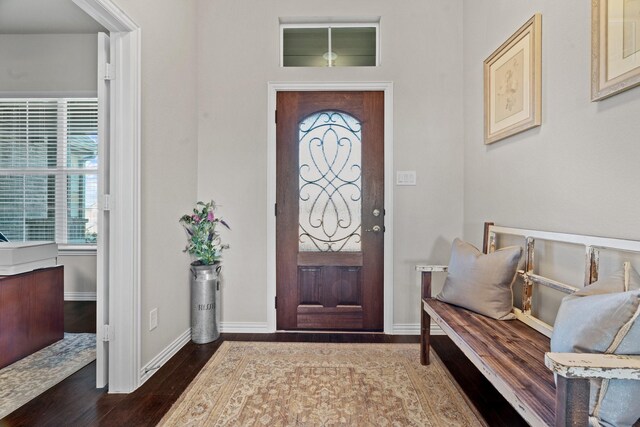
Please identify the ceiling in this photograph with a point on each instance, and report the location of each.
(45, 17)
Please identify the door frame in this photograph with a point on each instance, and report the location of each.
(273, 89)
(124, 258)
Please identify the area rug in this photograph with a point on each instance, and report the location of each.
(29, 377)
(302, 384)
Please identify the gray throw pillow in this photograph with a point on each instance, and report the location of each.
(602, 318)
(481, 282)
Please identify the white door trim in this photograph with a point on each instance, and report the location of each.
(273, 89)
(124, 252)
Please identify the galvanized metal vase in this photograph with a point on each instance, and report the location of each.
(205, 303)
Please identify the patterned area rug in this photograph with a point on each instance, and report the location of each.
(301, 384)
(27, 378)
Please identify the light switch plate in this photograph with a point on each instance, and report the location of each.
(405, 177)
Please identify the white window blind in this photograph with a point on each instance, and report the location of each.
(49, 170)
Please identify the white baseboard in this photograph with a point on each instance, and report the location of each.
(436, 330)
(244, 327)
(80, 296)
(262, 328)
(414, 329)
(406, 329)
(161, 358)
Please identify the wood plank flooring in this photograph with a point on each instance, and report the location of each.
(76, 401)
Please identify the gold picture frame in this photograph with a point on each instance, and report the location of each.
(513, 83)
(615, 47)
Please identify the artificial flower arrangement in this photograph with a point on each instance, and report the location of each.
(204, 241)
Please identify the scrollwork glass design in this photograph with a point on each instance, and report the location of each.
(330, 177)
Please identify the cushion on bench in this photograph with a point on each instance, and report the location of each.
(481, 282)
(603, 318)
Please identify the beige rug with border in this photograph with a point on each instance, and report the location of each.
(317, 384)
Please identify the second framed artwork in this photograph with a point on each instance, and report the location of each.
(615, 47)
(513, 83)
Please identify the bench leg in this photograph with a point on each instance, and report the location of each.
(572, 402)
(425, 335)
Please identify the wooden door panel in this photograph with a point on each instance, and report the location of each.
(320, 283)
(309, 284)
(335, 318)
(329, 286)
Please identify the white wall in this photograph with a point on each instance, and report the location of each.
(238, 53)
(79, 276)
(577, 173)
(168, 172)
(48, 64)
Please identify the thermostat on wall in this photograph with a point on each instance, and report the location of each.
(405, 177)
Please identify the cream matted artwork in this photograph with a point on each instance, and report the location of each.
(513, 83)
(615, 47)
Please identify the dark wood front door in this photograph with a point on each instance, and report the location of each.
(330, 210)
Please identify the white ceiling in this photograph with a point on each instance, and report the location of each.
(45, 17)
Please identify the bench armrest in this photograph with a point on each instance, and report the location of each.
(431, 268)
(425, 271)
(593, 365)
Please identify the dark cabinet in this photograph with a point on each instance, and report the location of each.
(31, 312)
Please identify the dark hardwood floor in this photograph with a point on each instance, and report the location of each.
(76, 402)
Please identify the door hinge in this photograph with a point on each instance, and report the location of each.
(275, 209)
(275, 302)
(275, 117)
(106, 202)
(107, 333)
(109, 73)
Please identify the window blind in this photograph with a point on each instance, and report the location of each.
(49, 170)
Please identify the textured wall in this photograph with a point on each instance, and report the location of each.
(578, 172)
(169, 153)
(238, 54)
(45, 64)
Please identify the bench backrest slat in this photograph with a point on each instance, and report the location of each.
(592, 247)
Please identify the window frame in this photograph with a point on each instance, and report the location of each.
(61, 172)
(329, 26)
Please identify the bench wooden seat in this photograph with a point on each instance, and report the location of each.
(509, 353)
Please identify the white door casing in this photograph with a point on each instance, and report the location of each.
(123, 296)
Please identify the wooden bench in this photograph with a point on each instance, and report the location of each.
(514, 355)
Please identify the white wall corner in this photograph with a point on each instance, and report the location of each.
(163, 357)
(79, 296)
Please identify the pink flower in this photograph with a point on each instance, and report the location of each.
(195, 217)
(210, 216)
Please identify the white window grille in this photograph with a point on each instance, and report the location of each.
(49, 170)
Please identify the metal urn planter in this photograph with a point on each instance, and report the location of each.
(205, 303)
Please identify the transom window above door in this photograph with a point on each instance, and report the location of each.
(329, 44)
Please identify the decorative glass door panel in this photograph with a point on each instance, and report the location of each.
(330, 189)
